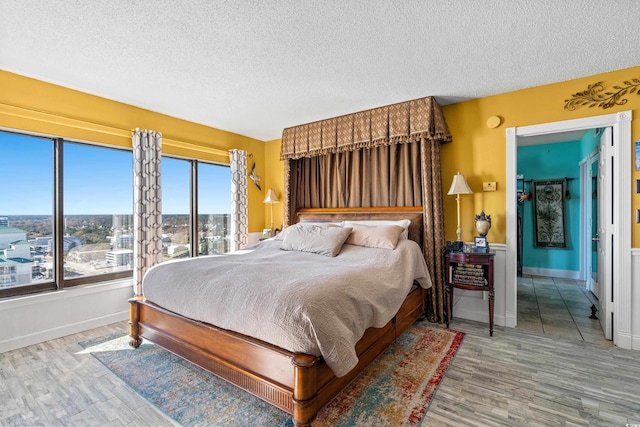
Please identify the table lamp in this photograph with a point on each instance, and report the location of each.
(271, 198)
(459, 186)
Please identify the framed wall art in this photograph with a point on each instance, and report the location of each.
(549, 213)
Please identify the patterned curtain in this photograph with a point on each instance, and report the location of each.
(401, 123)
(239, 204)
(147, 210)
(433, 216)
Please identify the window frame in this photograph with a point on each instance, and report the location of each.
(59, 282)
(194, 241)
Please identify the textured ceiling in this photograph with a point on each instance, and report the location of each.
(255, 67)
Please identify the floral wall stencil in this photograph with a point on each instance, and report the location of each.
(595, 95)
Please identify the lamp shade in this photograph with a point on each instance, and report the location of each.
(459, 185)
(272, 197)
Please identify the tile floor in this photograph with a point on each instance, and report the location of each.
(559, 307)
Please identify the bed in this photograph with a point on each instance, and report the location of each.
(300, 383)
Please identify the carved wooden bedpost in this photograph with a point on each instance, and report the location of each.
(305, 389)
(134, 318)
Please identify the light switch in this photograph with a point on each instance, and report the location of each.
(489, 186)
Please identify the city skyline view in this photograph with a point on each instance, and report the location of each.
(99, 181)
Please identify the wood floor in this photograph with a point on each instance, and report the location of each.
(514, 378)
(519, 377)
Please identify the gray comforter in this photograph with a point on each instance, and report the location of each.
(299, 301)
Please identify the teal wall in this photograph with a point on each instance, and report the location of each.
(552, 161)
(589, 143)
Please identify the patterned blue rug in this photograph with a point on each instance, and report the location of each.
(394, 390)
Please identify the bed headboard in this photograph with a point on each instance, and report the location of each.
(412, 213)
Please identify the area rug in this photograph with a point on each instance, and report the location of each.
(395, 390)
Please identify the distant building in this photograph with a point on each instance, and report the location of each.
(23, 272)
(4, 221)
(16, 264)
(87, 254)
(42, 244)
(121, 241)
(45, 244)
(10, 234)
(70, 243)
(120, 257)
(8, 273)
(177, 251)
(17, 249)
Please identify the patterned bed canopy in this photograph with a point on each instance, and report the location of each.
(392, 124)
(368, 153)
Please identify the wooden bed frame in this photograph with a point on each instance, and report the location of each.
(299, 384)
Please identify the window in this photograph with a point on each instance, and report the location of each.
(66, 212)
(98, 210)
(67, 220)
(176, 208)
(194, 189)
(26, 213)
(214, 208)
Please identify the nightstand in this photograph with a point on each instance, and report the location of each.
(471, 271)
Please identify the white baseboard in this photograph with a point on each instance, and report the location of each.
(32, 319)
(550, 272)
(477, 316)
(510, 320)
(635, 342)
(61, 331)
(628, 341)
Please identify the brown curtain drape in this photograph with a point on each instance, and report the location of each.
(388, 156)
(433, 212)
(381, 176)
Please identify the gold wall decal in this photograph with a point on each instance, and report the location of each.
(593, 96)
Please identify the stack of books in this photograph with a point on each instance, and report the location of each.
(468, 274)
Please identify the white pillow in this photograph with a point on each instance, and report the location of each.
(315, 239)
(280, 236)
(404, 223)
(321, 223)
(381, 236)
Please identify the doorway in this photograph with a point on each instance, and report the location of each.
(553, 207)
(615, 238)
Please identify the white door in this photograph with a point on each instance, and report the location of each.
(593, 198)
(604, 237)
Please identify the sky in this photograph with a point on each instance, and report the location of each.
(97, 181)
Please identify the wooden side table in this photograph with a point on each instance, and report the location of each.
(471, 271)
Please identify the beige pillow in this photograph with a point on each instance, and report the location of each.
(404, 223)
(315, 239)
(381, 236)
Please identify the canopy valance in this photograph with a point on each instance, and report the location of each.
(393, 124)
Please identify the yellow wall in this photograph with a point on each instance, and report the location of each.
(476, 151)
(479, 152)
(38, 107)
(274, 178)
